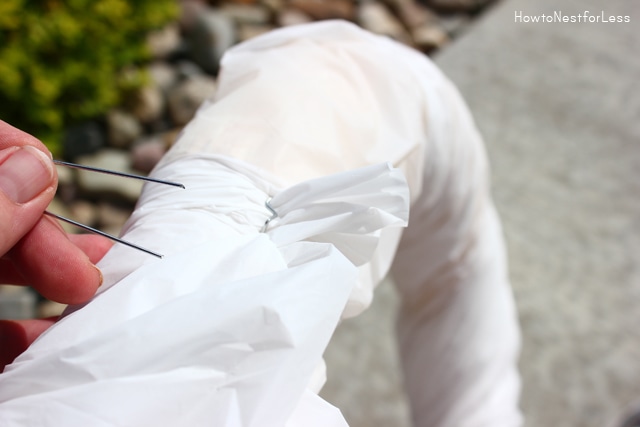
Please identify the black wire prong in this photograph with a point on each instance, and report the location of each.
(102, 233)
(110, 172)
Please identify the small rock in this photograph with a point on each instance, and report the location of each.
(391, 4)
(17, 302)
(66, 191)
(146, 154)
(146, 103)
(376, 18)
(163, 76)
(123, 128)
(212, 34)
(50, 309)
(111, 216)
(288, 17)
(86, 138)
(326, 9)
(413, 14)
(457, 5)
(273, 5)
(189, 12)
(170, 137)
(59, 208)
(116, 160)
(65, 175)
(429, 37)
(249, 31)
(185, 98)
(84, 212)
(159, 125)
(246, 14)
(187, 69)
(164, 42)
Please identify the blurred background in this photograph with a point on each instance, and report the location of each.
(110, 83)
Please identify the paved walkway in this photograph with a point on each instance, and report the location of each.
(559, 106)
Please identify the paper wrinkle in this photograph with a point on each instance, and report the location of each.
(263, 341)
(229, 328)
(345, 209)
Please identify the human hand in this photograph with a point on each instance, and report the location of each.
(34, 249)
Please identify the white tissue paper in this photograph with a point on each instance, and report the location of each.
(229, 327)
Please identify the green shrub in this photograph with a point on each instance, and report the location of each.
(64, 61)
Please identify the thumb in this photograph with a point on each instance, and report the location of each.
(27, 185)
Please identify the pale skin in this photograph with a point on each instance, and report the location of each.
(34, 249)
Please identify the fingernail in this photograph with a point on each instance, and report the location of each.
(101, 276)
(25, 174)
